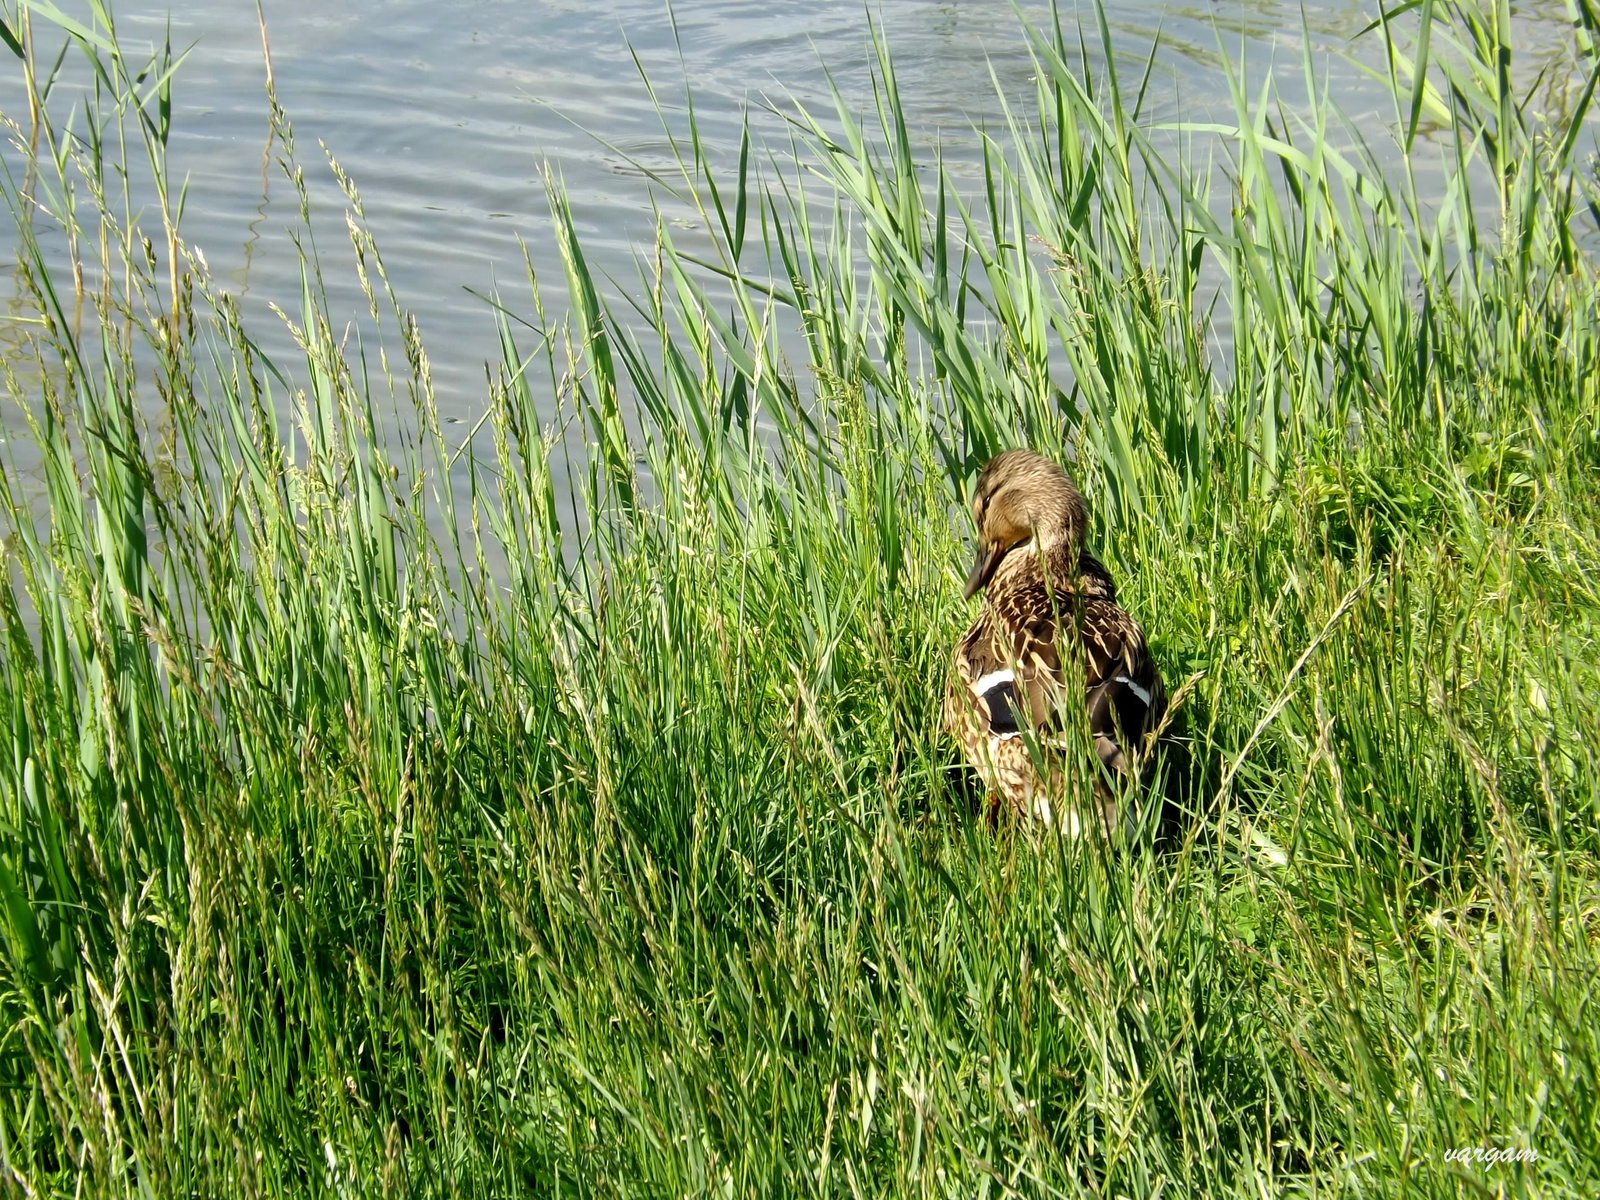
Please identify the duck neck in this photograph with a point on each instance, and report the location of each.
(1054, 561)
(1059, 564)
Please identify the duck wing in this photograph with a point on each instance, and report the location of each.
(1126, 696)
(993, 692)
(1010, 662)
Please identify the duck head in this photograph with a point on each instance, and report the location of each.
(1023, 504)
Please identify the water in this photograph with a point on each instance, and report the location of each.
(447, 112)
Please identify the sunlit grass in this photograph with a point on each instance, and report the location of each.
(584, 827)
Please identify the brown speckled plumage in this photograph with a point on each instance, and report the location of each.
(1047, 600)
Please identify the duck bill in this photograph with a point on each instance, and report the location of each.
(988, 559)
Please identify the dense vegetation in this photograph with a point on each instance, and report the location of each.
(373, 822)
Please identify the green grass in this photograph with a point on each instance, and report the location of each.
(364, 833)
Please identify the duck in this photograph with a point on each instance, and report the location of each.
(1049, 606)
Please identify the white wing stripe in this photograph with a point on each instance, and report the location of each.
(1133, 687)
(992, 680)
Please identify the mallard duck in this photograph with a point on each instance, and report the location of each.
(1046, 601)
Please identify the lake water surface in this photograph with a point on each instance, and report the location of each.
(447, 112)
